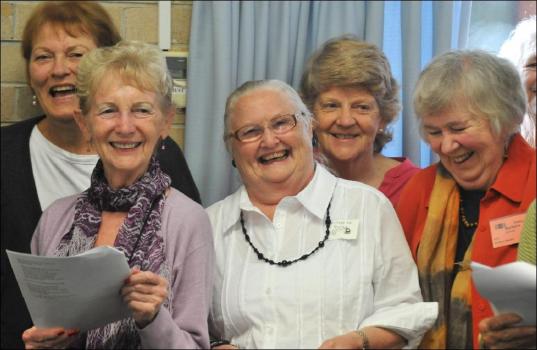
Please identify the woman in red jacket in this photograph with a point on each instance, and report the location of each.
(470, 105)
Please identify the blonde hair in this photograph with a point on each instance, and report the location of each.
(138, 64)
(348, 61)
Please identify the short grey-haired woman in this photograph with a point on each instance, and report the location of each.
(125, 112)
(470, 105)
(304, 259)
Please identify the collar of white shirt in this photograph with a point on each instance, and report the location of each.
(315, 198)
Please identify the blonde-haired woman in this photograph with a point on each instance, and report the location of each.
(46, 157)
(126, 112)
(349, 87)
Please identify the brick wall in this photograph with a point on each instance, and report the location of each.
(136, 20)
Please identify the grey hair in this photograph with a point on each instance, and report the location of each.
(520, 45)
(136, 63)
(484, 84)
(256, 85)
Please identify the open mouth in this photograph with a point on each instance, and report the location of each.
(64, 90)
(124, 145)
(273, 157)
(462, 158)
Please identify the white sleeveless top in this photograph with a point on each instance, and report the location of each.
(57, 172)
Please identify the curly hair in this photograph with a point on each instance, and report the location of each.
(349, 62)
(136, 63)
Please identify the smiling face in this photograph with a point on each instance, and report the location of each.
(274, 161)
(52, 69)
(124, 125)
(467, 147)
(348, 121)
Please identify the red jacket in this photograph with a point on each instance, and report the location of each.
(512, 193)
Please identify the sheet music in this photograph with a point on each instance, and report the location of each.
(509, 288)
(81, 291)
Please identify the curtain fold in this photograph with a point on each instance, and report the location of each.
(411, 27)
(235, 41)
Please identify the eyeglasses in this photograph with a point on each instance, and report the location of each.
(278, 125)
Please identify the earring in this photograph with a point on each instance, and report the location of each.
(162, 145)
(314, 141)
(34, 100)
(233, 163)
(381, 131)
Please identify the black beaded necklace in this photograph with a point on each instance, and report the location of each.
(285, 263)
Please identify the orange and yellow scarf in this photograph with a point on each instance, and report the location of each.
(435, 261)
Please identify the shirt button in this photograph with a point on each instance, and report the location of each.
(268, 291)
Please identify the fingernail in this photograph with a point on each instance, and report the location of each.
(60, 333)
(70, 334)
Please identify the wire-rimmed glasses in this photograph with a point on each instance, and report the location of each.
(278, 125)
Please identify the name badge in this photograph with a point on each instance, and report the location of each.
(344, 229)
(506, 230)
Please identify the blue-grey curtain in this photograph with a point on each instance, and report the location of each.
(235, 41)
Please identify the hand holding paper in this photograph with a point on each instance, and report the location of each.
(504, 331)
(144, 292)
(509, 288)
(81, 292)
(48, 338)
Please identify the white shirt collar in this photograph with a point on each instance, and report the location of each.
(318, 193)
(314, 197)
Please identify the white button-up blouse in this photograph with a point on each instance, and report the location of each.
(363, 278)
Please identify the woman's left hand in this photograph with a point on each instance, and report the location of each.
(144, 292)
(501, 332)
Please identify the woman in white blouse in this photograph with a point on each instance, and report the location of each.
(305, 259)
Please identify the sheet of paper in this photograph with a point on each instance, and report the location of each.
(509, 288)
(81, 291)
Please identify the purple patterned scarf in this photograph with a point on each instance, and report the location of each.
(138, 238)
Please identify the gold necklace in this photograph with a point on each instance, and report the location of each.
(465, 221)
